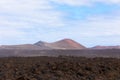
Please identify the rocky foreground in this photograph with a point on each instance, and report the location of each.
(59, 68)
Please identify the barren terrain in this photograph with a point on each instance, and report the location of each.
(59, 68)
(114, 53)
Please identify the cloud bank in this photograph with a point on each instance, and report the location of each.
(32, 20)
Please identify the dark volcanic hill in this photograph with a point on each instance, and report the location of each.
(62, 44)
(106, 47)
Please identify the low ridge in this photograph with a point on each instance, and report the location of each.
(106, 47)
(22, 46)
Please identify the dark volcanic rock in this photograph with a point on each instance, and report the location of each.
(59, 68)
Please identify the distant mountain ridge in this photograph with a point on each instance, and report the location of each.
(106, 47)
(62, 44)
(65, 47)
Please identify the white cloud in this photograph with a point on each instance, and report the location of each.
(40, 12)
(8, 34)
(18, 16)
(24, 5)
(98, 26)
(28, 13)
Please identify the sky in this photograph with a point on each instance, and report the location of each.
(89, 22)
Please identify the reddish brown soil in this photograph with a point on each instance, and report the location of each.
(68, 44)
(59, 68)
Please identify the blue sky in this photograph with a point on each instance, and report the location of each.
(90, 22)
